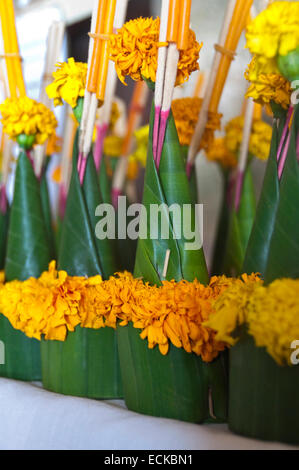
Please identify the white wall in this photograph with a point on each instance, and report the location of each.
(72, 10)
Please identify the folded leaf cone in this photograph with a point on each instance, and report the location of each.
(257, 252)
(28, 255)
(86, 363)
(283, 258)
(176, 385)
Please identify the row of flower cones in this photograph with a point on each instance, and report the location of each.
(170, 339)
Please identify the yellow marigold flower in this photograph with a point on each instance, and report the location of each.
(219, 153)
(26, 116)
(229, 309)
(69, 83)
(260, 138)
(267, 85)
(134, 49)
(275, 31)
(272, 318)
(270, 313)
(185, 113)
(142, 136)
(175, 312)
(113, 146)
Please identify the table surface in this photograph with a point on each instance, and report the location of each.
(32, 418)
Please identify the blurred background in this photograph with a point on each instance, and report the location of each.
(34, 17)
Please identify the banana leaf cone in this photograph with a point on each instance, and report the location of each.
(28, 255)
(86, 364)
(263, 396)
(257, 252)
(240, 226)
(283, 258)
(264, 400)
(178, 385)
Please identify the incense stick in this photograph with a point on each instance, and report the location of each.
(203, 115)
(54, 45)
(105, 113)
(160, 76)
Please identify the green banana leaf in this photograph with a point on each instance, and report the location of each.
(47, 212)
(105, 181)
(283, 258)
(259, 242)
(263, 398)
(28, 254)
(193, 180)
(240, 226)
(106, 248)
(176, 385)
(78, 252)
(86, 363)
(173, 386)
(4, 220)
(222, 230)
(170, 186)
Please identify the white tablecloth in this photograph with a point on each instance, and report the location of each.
(32, 418)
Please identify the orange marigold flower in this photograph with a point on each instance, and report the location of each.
(175, 312)
(218, 152)
(267, 85)
(134, 49)
(185, 113)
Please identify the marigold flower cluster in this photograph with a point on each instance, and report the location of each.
(185, 113)
(134, 49)
(219, 153)
(56, 303)
(260, 138)
(267, 85)
(26, 116)
(270, 314)
(273, 33)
